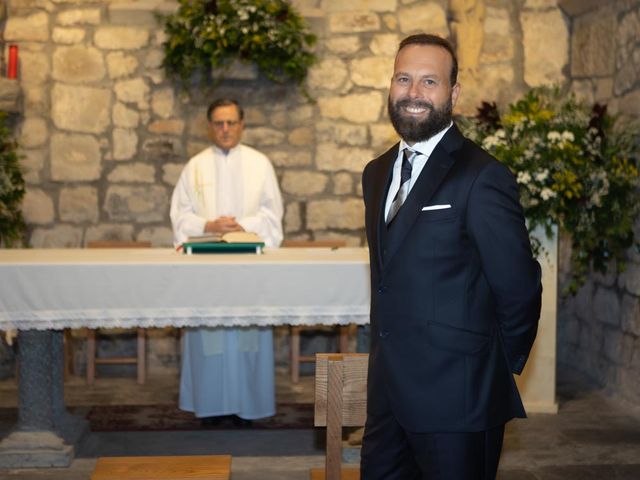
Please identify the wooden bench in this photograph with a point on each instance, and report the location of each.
(210, 467)
(340, 401)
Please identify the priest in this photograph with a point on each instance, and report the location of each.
(227, 372)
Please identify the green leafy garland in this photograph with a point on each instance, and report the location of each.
(204, 35)
(576, 167)
(12, 225)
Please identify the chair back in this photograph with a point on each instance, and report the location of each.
(314, 243)
(118, 244)
(340, 401)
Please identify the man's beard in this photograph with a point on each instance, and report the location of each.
(414, 130)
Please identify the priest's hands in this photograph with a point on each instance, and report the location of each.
(223, 225)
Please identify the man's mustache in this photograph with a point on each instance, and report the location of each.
(407, 102)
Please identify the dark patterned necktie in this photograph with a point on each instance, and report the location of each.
(403, 191)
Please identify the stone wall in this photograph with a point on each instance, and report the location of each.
(105, 134)
(599, 329)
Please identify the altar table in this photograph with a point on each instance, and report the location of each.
(46, 290)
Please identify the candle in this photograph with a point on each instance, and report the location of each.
(12, 67)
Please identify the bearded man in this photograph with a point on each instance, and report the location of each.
(455, 290)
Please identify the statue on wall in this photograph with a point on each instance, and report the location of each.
(467, 25)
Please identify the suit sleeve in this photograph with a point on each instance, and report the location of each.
(496, 223)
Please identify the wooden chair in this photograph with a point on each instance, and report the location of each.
(295, 330)
(340, 401)
(140, 358)
(210, 467)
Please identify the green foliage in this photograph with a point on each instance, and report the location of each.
(204, 35)
(12, 224)
(576, 167)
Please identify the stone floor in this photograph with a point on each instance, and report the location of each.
(594, 436)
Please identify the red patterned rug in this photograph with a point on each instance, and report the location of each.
(113, 418)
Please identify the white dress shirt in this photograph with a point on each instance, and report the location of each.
(423, 152)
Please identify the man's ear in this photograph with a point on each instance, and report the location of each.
(455, 92)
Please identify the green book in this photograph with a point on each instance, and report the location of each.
(190, 248)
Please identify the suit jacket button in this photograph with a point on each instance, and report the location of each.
(382, 289)
(383, 333)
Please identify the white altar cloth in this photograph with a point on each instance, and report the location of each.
(72, 288)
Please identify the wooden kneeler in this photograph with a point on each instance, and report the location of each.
(210, 467)
(340, 401)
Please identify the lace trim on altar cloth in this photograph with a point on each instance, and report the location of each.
(183, 317)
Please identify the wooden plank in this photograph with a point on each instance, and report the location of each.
(210, 467)
(354, 402)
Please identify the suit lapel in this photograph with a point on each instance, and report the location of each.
(432, 175)
(382, 183)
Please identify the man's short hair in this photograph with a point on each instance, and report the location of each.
(223, 102)
(435, 40)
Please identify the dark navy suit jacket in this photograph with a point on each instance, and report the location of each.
(455, 292)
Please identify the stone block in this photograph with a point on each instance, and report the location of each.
(141, 12)
(630, 314)
(630, 279)
(34, 67)
(627, 52)
(37, 207)
(330, 74)
(167, 127)
(59, 236)
(592, 44)
(343, 44)
(162, 102)
(67, 36)
(613, 346)
(342, 183)
(162, 149)
(373, 72)
(194, 148)
(331, 6)
(35, 99)
(32, 163)
(292, 221)
(354, 22)
(78, 64)
(81, 109)
(347, 214)
(332, 158)
(125, 117)
(125, 143)
(78, 204)
(546, 49)
(303, 183)
(197, 125)
(385, 45)
(133, 173)
(630, 103)
(33, 132)
(171, 173)
(300, 137)
(9, 95)
(29, 28)
(121, 38)
(263, 137)
(383, 137)
(341, 133)
(154, 58)
(390, 21)
(120, 65)
(74, 157)
(606, 306)
(135, 91)
(140, 204)
(79, 16)
(109, 232)
(158, 236)
(294, 158)
(421, 17)
(361, 108)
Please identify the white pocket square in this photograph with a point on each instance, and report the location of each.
(435, 207)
